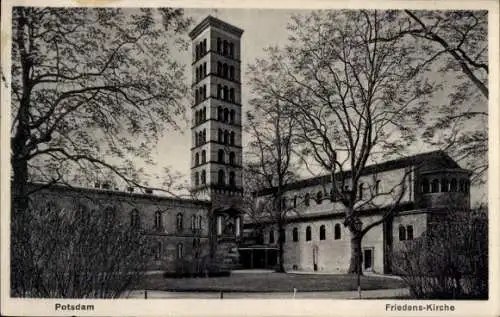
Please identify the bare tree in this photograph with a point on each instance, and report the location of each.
(354, 99)
(270, 152)
(92, 89)
(455, 45)
(84, 250)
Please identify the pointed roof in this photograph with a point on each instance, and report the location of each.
(213, 21)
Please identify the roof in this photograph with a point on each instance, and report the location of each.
(402, 207)
(425, 162)
(117, 193)
(212, 21)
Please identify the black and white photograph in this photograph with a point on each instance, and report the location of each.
(222, 155)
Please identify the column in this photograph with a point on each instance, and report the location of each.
(238, 223)
(219, 225)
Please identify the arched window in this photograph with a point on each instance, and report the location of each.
(231, 158)
(231, 139)
(226, 115)
(193, 222)
(134, 219)
(224, 48)
(196, 159)
(425, 185)
(196, 117)
(219, 91)
(204, 69)
(226, 136)
(204, 136)
(225, 93)
(294, 201)
(221, 177)
(231, 116)
(231, 72)
(444, 185)
(196, 96)
(322, 232)
(308, 233)
(220, 156)
(453, 185)
(409, 232)
(220, 137)
(402, 233)
(295, 234)
(197, 178)
(203, 157)
(231, 50)
(219, 45)
(231, 94)
(224, 70)
(179, 251)
(220, 113)
(204, 114)
(271, 236)
(319, 197)
(306, 199)
(179, 223)
(232, 180)
(204, 46)
(435, 186)
(158, 222)
(219, 68)
(337, 232)
(203, 177)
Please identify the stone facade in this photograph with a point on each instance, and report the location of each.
(381, 185)
(178, 228)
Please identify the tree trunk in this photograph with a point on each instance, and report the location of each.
(281, 234)
(355, 261)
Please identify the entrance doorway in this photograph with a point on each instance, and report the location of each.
(315, 258)
(368, 259)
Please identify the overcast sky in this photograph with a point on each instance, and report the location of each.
(262, 28)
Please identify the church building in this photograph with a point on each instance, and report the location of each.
(211, 223)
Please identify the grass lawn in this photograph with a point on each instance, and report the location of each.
(268, 282)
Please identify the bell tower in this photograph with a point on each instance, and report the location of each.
(216, 152)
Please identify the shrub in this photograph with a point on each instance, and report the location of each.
(450, 261)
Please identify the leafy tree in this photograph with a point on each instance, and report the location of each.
(354, 98)
(92, 90)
